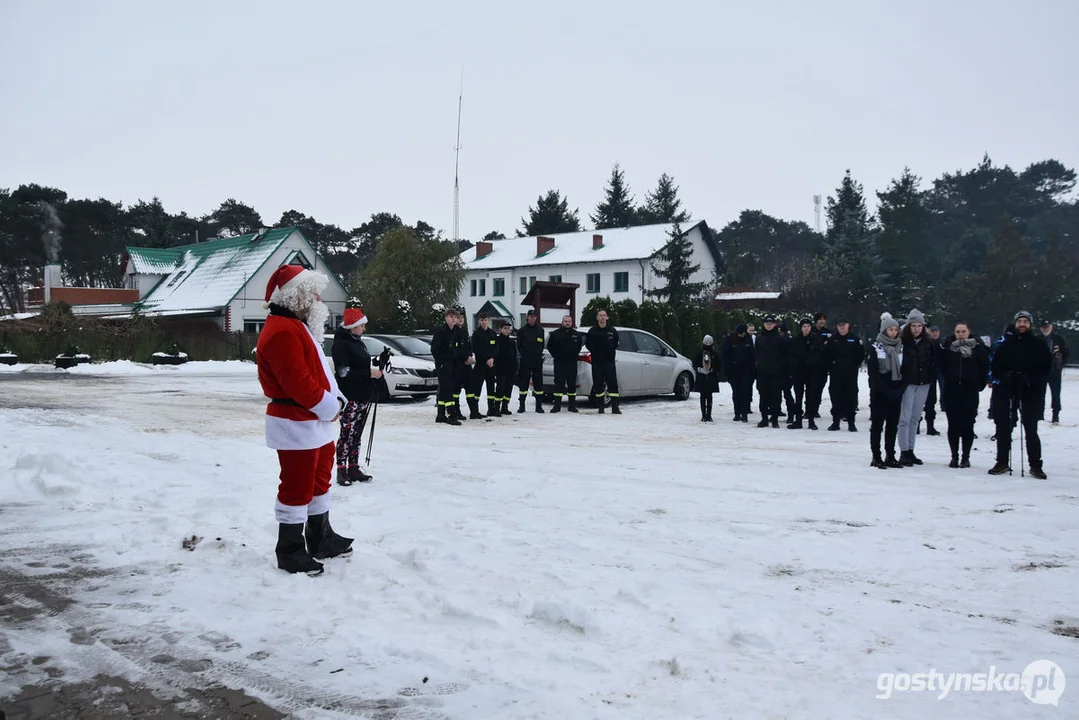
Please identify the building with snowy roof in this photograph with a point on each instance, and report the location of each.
(614, 263)
(224, 278)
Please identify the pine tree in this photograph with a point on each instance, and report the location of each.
(848, 206)
(662, 204)
(550, 216)
(903, 240)
(850, 246)
(675, 268)
(616, 210)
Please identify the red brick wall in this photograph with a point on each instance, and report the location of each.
(85, 296)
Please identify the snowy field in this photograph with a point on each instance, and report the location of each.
(539, 566)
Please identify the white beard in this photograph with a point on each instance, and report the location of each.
(316, 319)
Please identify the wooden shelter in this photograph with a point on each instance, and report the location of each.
(553, 296)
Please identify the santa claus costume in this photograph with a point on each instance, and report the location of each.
(305, 403)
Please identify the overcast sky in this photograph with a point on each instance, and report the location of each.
(343, 108)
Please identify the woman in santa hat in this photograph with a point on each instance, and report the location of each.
(356, 377)
(305, 402)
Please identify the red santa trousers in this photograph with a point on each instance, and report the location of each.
(305, 483)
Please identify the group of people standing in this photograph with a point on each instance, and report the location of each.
(905, 364)
(466, 364)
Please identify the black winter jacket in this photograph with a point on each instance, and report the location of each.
(807, 354)
(773, 353)
(965, 374)
(1022, 363)
(602, 343)
(530, 343)
(920, 360)
(564, 344)
(444, 344)
(1058, 351)
(505, 356)
(739, 356)
(844, 354)
(352, 365)
(462, 346)
(483, 345)
(882, 383)
(707, 382)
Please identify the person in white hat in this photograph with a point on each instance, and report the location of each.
(305, 402)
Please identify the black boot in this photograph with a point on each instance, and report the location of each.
(775, 421)
(355, 475)
(557, 406)
(474, 409)
(602, 402)
(795, 423)
(572, 405)
(292, 555)
(892, 462)
(521, 404)
(905, 458)
(878, 462)
(614, 407)
(539, 405)
(445, 417)
(342, 476)
(1037, 472)
(851, 427)
(1056, 417)
(835, 426)
(704, 409)
(954, 443)
(506, 407)
(764, 422)
(322, 541)
(964, 462)
(930, 429)
(812, 424)
(1000, 468)
(492, 409)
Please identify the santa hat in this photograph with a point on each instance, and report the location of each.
(289, 280)
(353, 318)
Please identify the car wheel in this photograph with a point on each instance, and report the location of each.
(683, 386)
(421, 398)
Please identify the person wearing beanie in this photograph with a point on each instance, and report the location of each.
(305, 402)
(772, 352)
(1021, 364)
(884, 363)
(707, 364)
(843, 357)
(1058, 348)
(919, 374)
(739, 362)
(357, 379)
(807, 364)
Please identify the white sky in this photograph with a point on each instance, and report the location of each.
(340, 109)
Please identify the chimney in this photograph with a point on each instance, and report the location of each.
(52, 280)
(597, 242)
(544, 244)
(483, 249)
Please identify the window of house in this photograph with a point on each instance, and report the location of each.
(253, 326)
(593, 282)
(179, 276)
(527, 283)
(472, 289)
(556, 278)
(523, 318)
(621, 282)
(498, 287)
(483, 288)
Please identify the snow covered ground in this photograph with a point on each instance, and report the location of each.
(539, 566)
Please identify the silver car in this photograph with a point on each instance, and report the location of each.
(646, 366)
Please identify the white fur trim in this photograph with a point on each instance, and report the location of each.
(289, 514)
(282, 434)
(327, 407)
(362, 321)
(319, 504)
(307, 283)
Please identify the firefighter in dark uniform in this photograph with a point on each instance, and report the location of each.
(505, 366)
(602, 342)
(564, 344)
(530, 345)
(463, 355)
(443, 350)
(483, 371)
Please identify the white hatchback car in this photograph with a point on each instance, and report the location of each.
(405, 376)
(646, 366)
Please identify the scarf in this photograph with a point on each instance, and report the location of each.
(891, 352)
(963, 347)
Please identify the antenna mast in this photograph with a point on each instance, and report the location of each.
(456, 163)
(816, 211)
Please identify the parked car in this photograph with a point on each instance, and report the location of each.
(407, 345)
(646, 366)
(405, 376)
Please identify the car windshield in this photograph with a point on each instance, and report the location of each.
(412, 346)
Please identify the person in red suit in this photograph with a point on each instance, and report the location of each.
(304, 406)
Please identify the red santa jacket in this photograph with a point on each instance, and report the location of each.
(294, 371)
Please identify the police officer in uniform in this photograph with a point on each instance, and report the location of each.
(443, 350)
(564, 344)
(505, 366)
(483, 370)
(530, 344)
(602, 342)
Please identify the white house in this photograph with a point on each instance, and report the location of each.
(612, 263)
(223, 279)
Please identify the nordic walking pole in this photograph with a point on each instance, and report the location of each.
(382, 362)
(1022, 463)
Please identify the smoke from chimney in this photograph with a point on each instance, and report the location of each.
(50, 228)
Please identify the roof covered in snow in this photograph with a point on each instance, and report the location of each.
(748, 296)
(631, 243)
(204, 276)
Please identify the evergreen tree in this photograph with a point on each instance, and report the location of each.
(588, 315)
(848, 206)
(903, 241)
(494, 235)
(627, 312)
(676, 268)
(652, 318)
(616, 210)
(662, 205)
(234, 218)
(551, 216)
